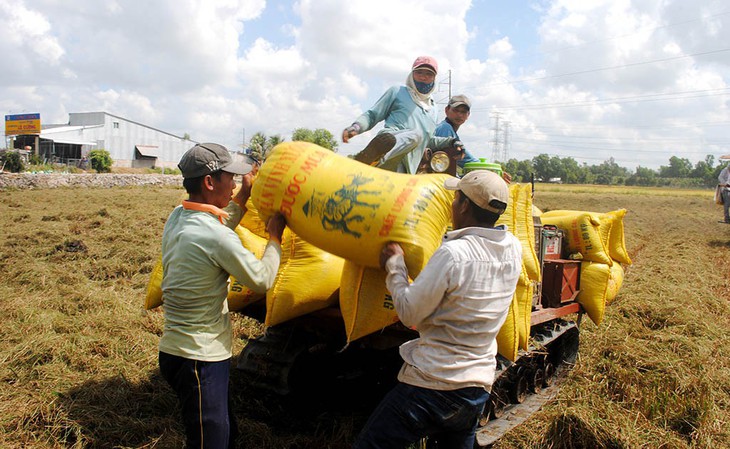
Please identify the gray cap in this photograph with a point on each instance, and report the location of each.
(458, 100)
(206, 158)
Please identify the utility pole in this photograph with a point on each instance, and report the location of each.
(495, 140)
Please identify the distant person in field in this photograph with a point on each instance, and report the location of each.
(409, 113)
(199, 253)
(724, 181)
(457, 303)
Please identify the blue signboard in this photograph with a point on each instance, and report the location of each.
(22, 117)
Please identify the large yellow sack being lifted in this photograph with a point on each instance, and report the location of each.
(365, 302)
(252, 221)
(351, 209)
(307, 279)
(584, 233)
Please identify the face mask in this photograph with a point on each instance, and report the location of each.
(423, 87)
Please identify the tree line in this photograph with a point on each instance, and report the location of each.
(679, 173)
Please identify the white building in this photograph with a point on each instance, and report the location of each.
(129, 143)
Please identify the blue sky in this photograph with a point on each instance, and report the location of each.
(636, 81)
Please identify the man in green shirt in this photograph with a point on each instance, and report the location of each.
(199, 253)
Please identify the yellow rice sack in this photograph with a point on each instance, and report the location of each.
(252, 221)
(518, 218)
(351, 209)
(365, 302)
(153, 298)
(239, 295)
(594, 280)
(307, 280)
(523, 296)
(615, 281)
(616, 241)
(526, 230)
(584, 233)
(508, 338)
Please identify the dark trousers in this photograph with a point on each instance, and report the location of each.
(202, 389)
(409, 413)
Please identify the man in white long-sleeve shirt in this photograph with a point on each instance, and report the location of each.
(724, 181)
(457, 303)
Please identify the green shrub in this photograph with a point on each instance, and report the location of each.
(164, 171)
(12, 162)
(101, 161)
(35, 159)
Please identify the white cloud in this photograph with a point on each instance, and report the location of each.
(577, 79)
(501, 49)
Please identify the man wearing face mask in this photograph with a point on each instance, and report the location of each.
(410, 120)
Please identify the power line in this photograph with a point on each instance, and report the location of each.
(669, 25)
(634, 126)
(585, 147)
(602, 69)
(684, 95)
(642, 139)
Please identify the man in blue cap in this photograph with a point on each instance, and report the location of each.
(457, 113)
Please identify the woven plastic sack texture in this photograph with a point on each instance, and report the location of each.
(307, 280)
(351, 209)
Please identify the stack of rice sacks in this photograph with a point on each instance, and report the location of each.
(341, 212)
(239, 296)
(515, 332)
(599, 240)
